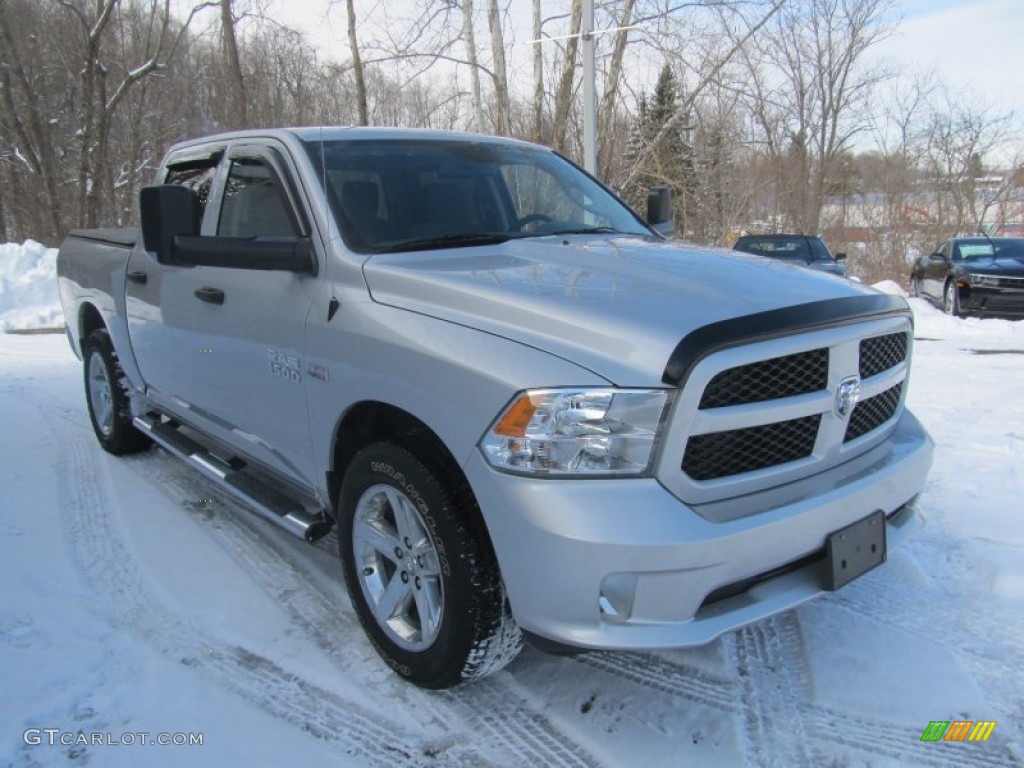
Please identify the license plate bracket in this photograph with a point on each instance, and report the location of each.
(854, 550)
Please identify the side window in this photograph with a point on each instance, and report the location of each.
(254, 204)
(197, 176)
(946, 250)
(818, 250)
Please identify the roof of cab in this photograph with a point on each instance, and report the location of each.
(342, 133)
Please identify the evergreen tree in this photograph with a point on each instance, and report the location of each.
(670, 163)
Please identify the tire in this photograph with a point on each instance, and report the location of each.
(420, 571)
(106, 394)
(951, 299)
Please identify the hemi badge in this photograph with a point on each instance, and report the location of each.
(317, 372)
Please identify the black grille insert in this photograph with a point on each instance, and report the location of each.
(770, 379)
(880, 353)
(721, 454)
(873, 413)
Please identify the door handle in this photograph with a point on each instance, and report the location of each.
(210, 295)
(137, 276)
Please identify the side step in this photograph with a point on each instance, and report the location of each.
(233, 478)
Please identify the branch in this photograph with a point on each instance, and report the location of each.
(683, 110)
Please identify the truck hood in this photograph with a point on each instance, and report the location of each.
(616, 306)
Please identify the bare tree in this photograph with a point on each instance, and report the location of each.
(959, 136)
(813, 92)
(24, 120)
(474, 64)
(563, 97)
(238, 117)
(503, 107)
(357, 63)
(538, 75)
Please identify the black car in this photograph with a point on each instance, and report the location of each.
(805, 250)
(975, 275)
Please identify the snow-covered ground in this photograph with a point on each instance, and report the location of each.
(138, 598)
(28, 287)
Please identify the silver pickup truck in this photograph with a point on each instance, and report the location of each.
(524, 410)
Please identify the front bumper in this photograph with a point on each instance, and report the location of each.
(623, 564)
(995, 301)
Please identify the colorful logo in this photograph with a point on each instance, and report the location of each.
(958, 730)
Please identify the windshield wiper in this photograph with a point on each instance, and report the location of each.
(464, 239)
(589, 231)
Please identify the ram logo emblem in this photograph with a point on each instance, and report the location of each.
(847, 396)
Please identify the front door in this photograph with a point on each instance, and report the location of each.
(239, 332)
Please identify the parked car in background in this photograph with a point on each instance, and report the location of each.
(975, 275)
(805, 250)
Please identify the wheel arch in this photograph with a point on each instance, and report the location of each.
(89, 320)
(371, 421)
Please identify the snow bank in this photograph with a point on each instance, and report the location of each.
(28, 287)
(889, 286)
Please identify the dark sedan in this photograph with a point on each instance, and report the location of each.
(805, 250)
(981, 276)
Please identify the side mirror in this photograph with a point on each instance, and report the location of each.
(659, 210)
(840, 257)
(167, 211)
(290, 254)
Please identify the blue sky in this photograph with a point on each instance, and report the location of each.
(976, 45)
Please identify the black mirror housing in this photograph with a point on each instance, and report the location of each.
(291, 254)
(168, 211)
(840, 257)
(659, 210)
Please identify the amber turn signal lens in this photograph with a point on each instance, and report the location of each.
(516, 418)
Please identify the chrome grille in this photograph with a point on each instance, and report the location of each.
(881, 353)
(872, 413)
(756, 416)
(768, 380)
(721, 454)
(1010, 282)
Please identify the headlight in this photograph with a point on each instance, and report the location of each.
(577, 432)
(983, 280)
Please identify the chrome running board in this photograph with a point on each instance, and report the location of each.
(234, 478)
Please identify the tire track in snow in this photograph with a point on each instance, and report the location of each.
(882, 738)
(773, 674)
(107, 564)
(678, 680)
(517, 731)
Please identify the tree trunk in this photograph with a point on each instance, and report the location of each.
(504, 107)
(3, 217)
(563, 98)
(34, 138)
(474, 65)
(538, 77)
(239, 116)
(606, 112)
(357, 65)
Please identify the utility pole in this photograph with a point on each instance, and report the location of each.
(587, 35)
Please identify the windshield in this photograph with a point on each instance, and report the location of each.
(398, 195)
(999, 248)
(794, 249)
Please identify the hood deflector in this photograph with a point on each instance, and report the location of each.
(774, 323)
